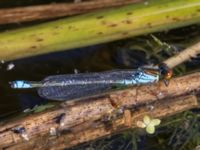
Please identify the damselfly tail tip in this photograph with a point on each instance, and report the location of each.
(19, 84)
(13, 84)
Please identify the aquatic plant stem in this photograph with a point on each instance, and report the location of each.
(187, 54)
(98, 27)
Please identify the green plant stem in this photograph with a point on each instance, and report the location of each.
(99, 27)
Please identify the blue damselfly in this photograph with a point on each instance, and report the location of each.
(71, 86)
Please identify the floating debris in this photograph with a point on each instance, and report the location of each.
(160, 95)
(22, 132)
(10, 66)
(53, 131)
(76, 71)
(2, 61)
(150, 107)
(27, 110)
(25, 136)
(61, 119)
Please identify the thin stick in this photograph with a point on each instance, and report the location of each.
(42, 12)
(183, 56)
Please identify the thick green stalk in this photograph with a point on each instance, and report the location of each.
(99, 27)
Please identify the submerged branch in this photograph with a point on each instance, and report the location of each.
(81, 121)
(43, 12)
(89, 131)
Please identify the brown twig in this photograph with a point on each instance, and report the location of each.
(82, 115)
(183, 56)
(161, 109)
(42, 12)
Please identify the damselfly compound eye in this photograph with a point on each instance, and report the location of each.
(165, 71)
(168, 75)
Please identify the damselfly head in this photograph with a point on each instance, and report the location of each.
(166, 72)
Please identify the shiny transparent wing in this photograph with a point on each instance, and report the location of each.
(65, 87)
(71, 92)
